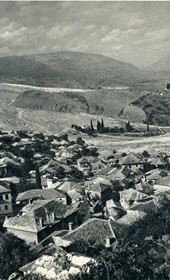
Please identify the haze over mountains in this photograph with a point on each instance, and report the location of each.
(161, 68)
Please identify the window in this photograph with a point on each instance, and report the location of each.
(0, 208)
(6, 207)
(6, 196)
(1, 197)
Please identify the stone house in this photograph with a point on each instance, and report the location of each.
(84, 165)
(3, 170)
(98, 191)
(5, 202)
(39, 219)
(130, 197)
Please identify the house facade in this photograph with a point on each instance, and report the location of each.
(5, 202)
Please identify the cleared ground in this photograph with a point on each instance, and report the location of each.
(12, 118)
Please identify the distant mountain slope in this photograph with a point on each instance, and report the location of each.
(159, 69)
(161, 65)
(68, 69)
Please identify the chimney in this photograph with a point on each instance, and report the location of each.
(53, 216)
(6, 218)
(30, 201)
(41, 222)
(70, 226)
(107, 244)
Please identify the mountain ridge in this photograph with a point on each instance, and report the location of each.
(68, 69)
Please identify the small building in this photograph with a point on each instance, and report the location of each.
(84, 165)
(98, 191)
(3, 170)
(114, 209)
(39, 219)
(130, 197)
(5, 202)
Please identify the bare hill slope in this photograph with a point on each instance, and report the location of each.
(68, 69)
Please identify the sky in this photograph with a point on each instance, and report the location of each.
(134, 32)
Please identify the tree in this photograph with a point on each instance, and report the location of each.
(102, 124)
(128, 126)
(91, 126)
(98, 125)
(147, 127)
(14, 253)
(38, 177)
(124, 261)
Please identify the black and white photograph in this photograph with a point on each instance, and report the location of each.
(84, 140)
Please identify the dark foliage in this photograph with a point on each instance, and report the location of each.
(14, 253)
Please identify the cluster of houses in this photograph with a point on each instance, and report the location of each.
(54, 192)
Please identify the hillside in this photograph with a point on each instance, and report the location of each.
(68, 69)
(97, 102)
(156, 107)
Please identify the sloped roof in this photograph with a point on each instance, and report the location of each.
(94, 229)
(114, 209)
(83, 160)
(42, 193)
(29, 220)
(164, 181)
(156, 161)
(4, 189)
(100, 179)
(67, 186)
(153, 174)
(130, 159)
(98, 187)
(132, 195)
(24, 222)
(9, 161)
(131, 217)
(146, 206)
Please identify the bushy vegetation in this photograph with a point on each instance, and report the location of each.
(14, 253)
(156, 108)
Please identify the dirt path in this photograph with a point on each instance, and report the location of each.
(36, 126)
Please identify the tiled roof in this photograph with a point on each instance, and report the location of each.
(132, 195)
(41, 193)
(98, 187)
(94, 229)
(153, 174)
(146, 206)
(24, 222)
(130, 159)
(131, 217)
(29, 220)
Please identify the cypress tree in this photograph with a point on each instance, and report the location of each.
(98, 125)
(38, 177)
(91, 126)
(102, 123)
